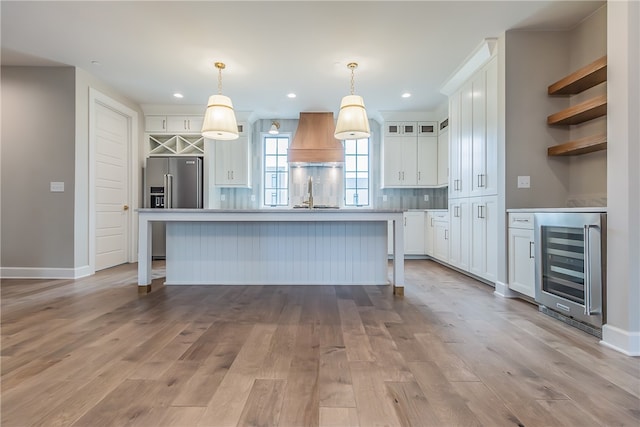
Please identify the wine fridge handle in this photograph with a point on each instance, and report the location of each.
(587, 269)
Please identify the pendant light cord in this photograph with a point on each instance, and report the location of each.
(220, 66)
(352, 66)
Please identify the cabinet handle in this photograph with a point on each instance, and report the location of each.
(480, 180)
(531, 250)
(521, 220)
(405, 221)
(403, 175)
(446, 236)
(232, 175)
(481, 211)
(419, 176)
(431, 222)
(164, 124)
(399, 176)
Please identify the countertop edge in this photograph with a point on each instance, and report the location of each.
(576, 210)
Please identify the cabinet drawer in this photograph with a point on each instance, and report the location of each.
(521, 220)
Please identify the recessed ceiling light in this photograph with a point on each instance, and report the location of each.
(406, 95)
(291, 95)
(178, 95)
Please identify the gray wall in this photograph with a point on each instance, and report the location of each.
(38, 139)
(45, 137)
(534, 60)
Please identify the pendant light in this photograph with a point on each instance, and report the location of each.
(352, 118)
(219, 118)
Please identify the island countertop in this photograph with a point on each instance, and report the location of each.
(350, 244)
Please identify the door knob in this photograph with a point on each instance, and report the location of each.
(125, 207)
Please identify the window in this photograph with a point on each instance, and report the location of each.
(356, 172)
(276, 171)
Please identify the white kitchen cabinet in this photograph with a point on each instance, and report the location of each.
(410, 155)
(427, 166)
(232, 163)
(521, 254)
(459, 232)
(437, 235)
(473, 137)
(155, 123)
(441, 240)
(185, 124)
(174, 124)
(443, 154)
(414, 233)
(483, 260)
(400, 165)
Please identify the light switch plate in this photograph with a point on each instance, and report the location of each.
(524, 181)
(426, 197)
(56, 187)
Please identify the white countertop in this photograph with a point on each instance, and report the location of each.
(577, 210)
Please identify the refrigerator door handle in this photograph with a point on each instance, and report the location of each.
(168, 191)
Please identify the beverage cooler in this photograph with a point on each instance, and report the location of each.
(570, 264)
(171, 183)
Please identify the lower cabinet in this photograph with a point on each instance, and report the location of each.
(414, 233)
(459, 233)
(473, 245)
(521, 254)
(483, 260)
(437, 235)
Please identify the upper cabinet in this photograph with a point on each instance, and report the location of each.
(473, 135)
(585, 78)
(174, 124)
(232, 161)
(410, 155)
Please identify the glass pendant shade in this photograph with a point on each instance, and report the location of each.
(219, 119)
(352, 119)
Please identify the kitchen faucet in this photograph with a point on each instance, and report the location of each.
(310, 191)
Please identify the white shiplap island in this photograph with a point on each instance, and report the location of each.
(274, 246)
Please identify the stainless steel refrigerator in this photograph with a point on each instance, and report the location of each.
(171, 182)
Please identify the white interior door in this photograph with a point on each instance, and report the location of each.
(111, 187)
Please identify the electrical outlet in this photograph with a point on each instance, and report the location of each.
(56, 187)
(426, 197)
(524, 182)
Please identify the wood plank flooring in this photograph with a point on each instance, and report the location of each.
(92, 352)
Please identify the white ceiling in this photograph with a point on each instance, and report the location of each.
(148, 50)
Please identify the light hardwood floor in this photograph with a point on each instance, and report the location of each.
(91, 352)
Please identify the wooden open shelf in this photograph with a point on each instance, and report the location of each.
(586, 77)
(579, 146)
(585, 111)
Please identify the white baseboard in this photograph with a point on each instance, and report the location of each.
(625, 342)
(45, 273)
(502, 289)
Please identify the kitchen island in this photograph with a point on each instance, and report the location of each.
(274, 247)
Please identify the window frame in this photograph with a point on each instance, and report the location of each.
(357, 172)
(264, 137)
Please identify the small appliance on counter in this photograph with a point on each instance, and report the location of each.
(570, 267)
(171, 182)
